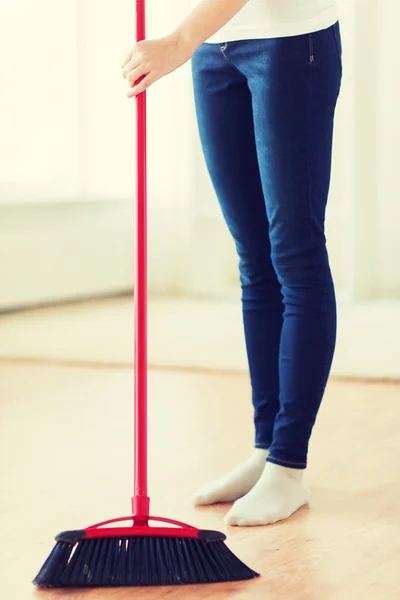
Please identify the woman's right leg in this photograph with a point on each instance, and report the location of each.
(225, 119)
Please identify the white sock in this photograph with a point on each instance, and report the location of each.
(278, 494)
(235, 485)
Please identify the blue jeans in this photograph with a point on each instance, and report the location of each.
(265, 112)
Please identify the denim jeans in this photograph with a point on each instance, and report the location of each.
(265, 112)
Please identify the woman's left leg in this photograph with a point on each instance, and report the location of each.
(294, 84)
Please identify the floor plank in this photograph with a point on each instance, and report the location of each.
(65, 447)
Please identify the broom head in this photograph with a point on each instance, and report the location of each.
(140, 555)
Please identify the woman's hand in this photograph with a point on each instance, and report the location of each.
(150, 60)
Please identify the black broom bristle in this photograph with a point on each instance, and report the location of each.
(140, 561)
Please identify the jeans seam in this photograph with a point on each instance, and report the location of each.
(310, 211)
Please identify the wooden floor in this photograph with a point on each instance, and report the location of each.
(65, 447)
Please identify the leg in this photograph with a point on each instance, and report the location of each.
(294, 96)
(225, 117)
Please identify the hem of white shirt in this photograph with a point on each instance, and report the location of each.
(271, 31)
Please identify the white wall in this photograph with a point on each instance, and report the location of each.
(66, 129)
(388, 148)
(66, 151)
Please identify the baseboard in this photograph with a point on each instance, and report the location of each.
(55, 252)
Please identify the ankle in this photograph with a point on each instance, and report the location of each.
(296, 473)
(261, 453)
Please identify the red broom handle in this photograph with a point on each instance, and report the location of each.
(140, 501)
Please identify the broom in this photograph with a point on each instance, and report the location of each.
(139, 554)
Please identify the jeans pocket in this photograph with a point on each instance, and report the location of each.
(338, 41)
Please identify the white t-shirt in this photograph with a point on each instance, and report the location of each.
(277, 18)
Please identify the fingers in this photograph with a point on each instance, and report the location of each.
(127, 59)
(135, 75)
(132, 59)
(131, 64)
(140, 87)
